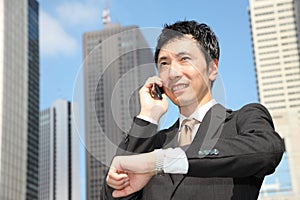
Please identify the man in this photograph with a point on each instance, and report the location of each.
(210, 152)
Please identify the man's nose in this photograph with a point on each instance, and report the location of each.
(175, 71)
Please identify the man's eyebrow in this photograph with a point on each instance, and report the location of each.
(182, 53)
(179, 54)
(162, 58)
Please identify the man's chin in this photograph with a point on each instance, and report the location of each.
(182, 102)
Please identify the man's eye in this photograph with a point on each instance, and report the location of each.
(162, 64)
(185, 58)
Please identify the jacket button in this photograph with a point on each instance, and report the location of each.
(206, 152)
(201, 153)
(215, 152)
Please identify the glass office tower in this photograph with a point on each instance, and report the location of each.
(59, 153)
(117, 61)
(275, 28)
(19, 99)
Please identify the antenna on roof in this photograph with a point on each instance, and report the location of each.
(106, 15)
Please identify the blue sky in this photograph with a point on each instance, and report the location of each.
(63, 22)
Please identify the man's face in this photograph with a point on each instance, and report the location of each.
(183, 70)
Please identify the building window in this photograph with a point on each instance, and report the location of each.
(263, 7)
(265, 20)
(266, 33)
(264, 13)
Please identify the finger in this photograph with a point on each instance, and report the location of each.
(116, 180)
(152, 86)
(118, 185)
(112, 174)
(152, 91)
(156, 92)
(150, 82)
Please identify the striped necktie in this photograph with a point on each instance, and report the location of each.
(186, 131)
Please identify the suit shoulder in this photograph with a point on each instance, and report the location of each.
(254, 110)
(254, 106)
(251, 107)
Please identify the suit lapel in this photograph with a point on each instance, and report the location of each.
(209, 131)
(206, 136)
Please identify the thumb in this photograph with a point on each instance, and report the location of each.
(120, 193)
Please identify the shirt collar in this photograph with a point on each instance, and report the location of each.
(199, 113)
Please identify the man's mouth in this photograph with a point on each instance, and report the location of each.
(179, 87)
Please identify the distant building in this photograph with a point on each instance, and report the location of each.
(59, 153)
(117, 61)
(19, 99)
(275, 26)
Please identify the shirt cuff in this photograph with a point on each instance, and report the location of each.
(173, 160)
(148, 119)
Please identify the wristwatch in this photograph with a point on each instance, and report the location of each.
(159, 162)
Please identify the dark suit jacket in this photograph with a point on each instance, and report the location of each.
(229, 157)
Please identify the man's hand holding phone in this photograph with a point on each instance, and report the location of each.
(153, 101)
(157, 91)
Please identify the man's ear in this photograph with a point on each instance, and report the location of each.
(213, 70)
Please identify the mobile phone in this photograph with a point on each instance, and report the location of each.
(159, 91)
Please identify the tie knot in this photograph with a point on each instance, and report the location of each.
(186, 131)
(189, 123)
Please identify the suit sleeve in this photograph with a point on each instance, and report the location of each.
(106, 194)
(253, 148)
(140, 139)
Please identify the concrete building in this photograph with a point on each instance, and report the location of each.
(59, 153)
(275, 26)
(19, 99)
(117, 61)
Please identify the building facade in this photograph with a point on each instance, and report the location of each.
(117, 61)
(59, 153)
(275, 29)
(19, 99)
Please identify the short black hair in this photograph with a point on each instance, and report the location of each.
(202, 33)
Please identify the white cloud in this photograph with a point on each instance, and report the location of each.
(53, 38)
(78, 13)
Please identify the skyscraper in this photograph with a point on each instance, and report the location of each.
(59, 153)
(19, 99)
(275, 26)
(117, 61)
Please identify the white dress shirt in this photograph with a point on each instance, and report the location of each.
(198, 115)
(174, 160)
